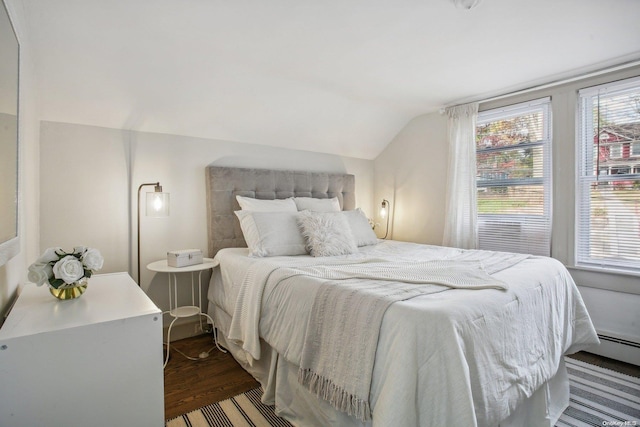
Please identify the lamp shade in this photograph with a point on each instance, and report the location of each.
(157, 204)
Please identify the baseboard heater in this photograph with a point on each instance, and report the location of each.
(619, 341)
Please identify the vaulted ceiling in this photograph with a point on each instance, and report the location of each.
(334, 76)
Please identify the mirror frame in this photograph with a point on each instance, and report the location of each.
(11, 247)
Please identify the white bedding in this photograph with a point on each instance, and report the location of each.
(463, 357)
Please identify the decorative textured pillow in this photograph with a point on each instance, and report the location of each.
(326, 233)
(361, 230)
(317, 205)
(265, 205)
(271, 233)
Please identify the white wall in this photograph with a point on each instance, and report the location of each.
(14, 272)
(411, 174)
(90, 176)
(412, 171)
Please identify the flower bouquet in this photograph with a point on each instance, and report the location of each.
(66, 273)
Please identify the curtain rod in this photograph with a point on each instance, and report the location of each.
(553, 83)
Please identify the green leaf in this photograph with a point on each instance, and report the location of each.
(56, 283)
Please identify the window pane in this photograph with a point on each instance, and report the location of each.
(508, 164)
(512, 200)
(614, 220)
(510, 131)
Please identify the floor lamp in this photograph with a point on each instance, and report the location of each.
(157, 205)
(384, 213)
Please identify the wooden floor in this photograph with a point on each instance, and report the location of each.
(605, 362)
(189, 385)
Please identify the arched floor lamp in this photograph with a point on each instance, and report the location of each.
(157, 205)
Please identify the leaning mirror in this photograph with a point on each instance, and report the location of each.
(9, 52)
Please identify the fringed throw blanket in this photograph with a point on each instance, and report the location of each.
(342, 335)
(339, 350)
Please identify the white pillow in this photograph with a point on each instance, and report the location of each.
(317, 205)
(361, 230)
(326, 233)
(264, 205)
(271, 233)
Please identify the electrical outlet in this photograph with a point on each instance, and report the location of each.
(208, 328)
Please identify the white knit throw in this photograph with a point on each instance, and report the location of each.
(342, 334)
(341, 340)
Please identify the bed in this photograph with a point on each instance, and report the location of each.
(393, 333)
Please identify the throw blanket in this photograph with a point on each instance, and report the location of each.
(342, 334)
(340, 369)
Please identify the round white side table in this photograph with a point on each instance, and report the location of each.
(177, 312)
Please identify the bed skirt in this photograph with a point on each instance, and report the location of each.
(279, 380)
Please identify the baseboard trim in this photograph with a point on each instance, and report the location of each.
(615, 348)
(619, 340)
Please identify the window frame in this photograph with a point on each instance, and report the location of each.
(585, 136)
(505, 113)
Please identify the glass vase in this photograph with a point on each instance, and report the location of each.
(70, 290)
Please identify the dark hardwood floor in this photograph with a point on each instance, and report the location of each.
(189, 385)
(605, 362)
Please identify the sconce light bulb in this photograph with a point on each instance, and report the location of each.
(383, 209)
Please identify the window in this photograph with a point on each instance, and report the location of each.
(608, 205)
(514, 178)
(615, 151)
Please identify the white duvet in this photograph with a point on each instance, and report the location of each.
(461, 356)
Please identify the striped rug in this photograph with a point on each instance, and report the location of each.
(245, 409)
(599, 397)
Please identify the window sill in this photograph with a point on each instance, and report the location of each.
(606, 278)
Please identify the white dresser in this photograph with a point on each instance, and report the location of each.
(93, 361)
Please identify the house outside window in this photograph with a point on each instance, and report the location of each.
(513, 149)
(608, 204)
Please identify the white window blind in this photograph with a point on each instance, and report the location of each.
(608, 202)
(513, 158)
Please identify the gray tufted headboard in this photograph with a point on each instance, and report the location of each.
(224, 183)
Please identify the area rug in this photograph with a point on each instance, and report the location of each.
(599, 397)
(245, 409)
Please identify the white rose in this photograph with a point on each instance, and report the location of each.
(79, 249)
(39, 273)
(69, 269)
(49, 255)
(92, 259)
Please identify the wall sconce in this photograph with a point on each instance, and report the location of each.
(384, 213)
(157, 205)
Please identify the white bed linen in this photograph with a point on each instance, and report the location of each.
(462, 356)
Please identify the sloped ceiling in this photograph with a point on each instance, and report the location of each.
(333, 76)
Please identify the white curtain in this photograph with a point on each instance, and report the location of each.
(461, 221)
